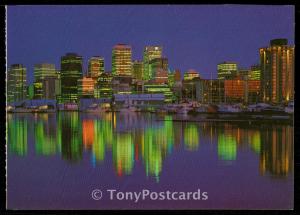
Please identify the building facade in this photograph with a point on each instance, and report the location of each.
(121, 60)
(71, 71)
(16, 83)
(150, 53)
(227, 70)
(137, 70)
(277, 72)
(95, 67)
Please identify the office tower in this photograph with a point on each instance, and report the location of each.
(255, 72)
(137, 70)
(190, 75)
(161, 76)
(210, 91)
(121, 60)
(41, 71)
(243, 73)
(86, 87)
(245, 91)
(277, 71)
(95, 67)
(51, 87)
(157, 64)
(16, 83)
(150, 53)
(71, 71)
(227, 70)
(103, 87)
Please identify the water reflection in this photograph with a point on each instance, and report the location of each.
(132, 138)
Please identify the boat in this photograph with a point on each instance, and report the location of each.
(290, 108)
(95, 108)
(184, 108)
(229, 109)
(127, 109)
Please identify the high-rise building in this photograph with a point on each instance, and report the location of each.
(156, 65)
(16, 83)
(150, 53)
(277, 71)
(137, 70)
(86, 87)
(243, 73)
(227, 70)
(104, 86)
(121, 60)
(190, 75)
(44, 70)
(71, 71)
(255, 72)
(161, 76)
(95, 67)
(51, 87)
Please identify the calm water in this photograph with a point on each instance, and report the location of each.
(56, 160)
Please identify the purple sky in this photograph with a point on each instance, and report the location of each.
(197, 37)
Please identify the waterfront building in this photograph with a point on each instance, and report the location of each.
(227, 70)
(44, 70)
(37, 90)
(277, 72)
(161, 76)
(51, 88)
(103, 87)
(238, 90)
(95, 67)
(16, 83)
(122, 85)
(138, 70)
(150, 53)
(86, 87)
(71, 71)
(154, 88)
(189, 87)
(121, 60)
(210, 91)
(255, 72)
(190, 75)
(243, 73)
(157, 64)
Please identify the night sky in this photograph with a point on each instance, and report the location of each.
(193, 37)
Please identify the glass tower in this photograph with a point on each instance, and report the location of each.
(71, 71)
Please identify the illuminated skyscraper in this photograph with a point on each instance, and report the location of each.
(190, 75)
(227, 70)
(121, 60)
(157, 64)
(42, 71)
(150, 53)
(255, 72)
(16, 83)
(137, 69)
(71, 71)
(104, 86)
(86, 87)
(277, 71)
(96, 67)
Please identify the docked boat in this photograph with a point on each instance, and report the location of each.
(127, 109)
(184, 108)
(290, 108)
(229, 109)
(95, 108)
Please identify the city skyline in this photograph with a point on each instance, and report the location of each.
(199, 53)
